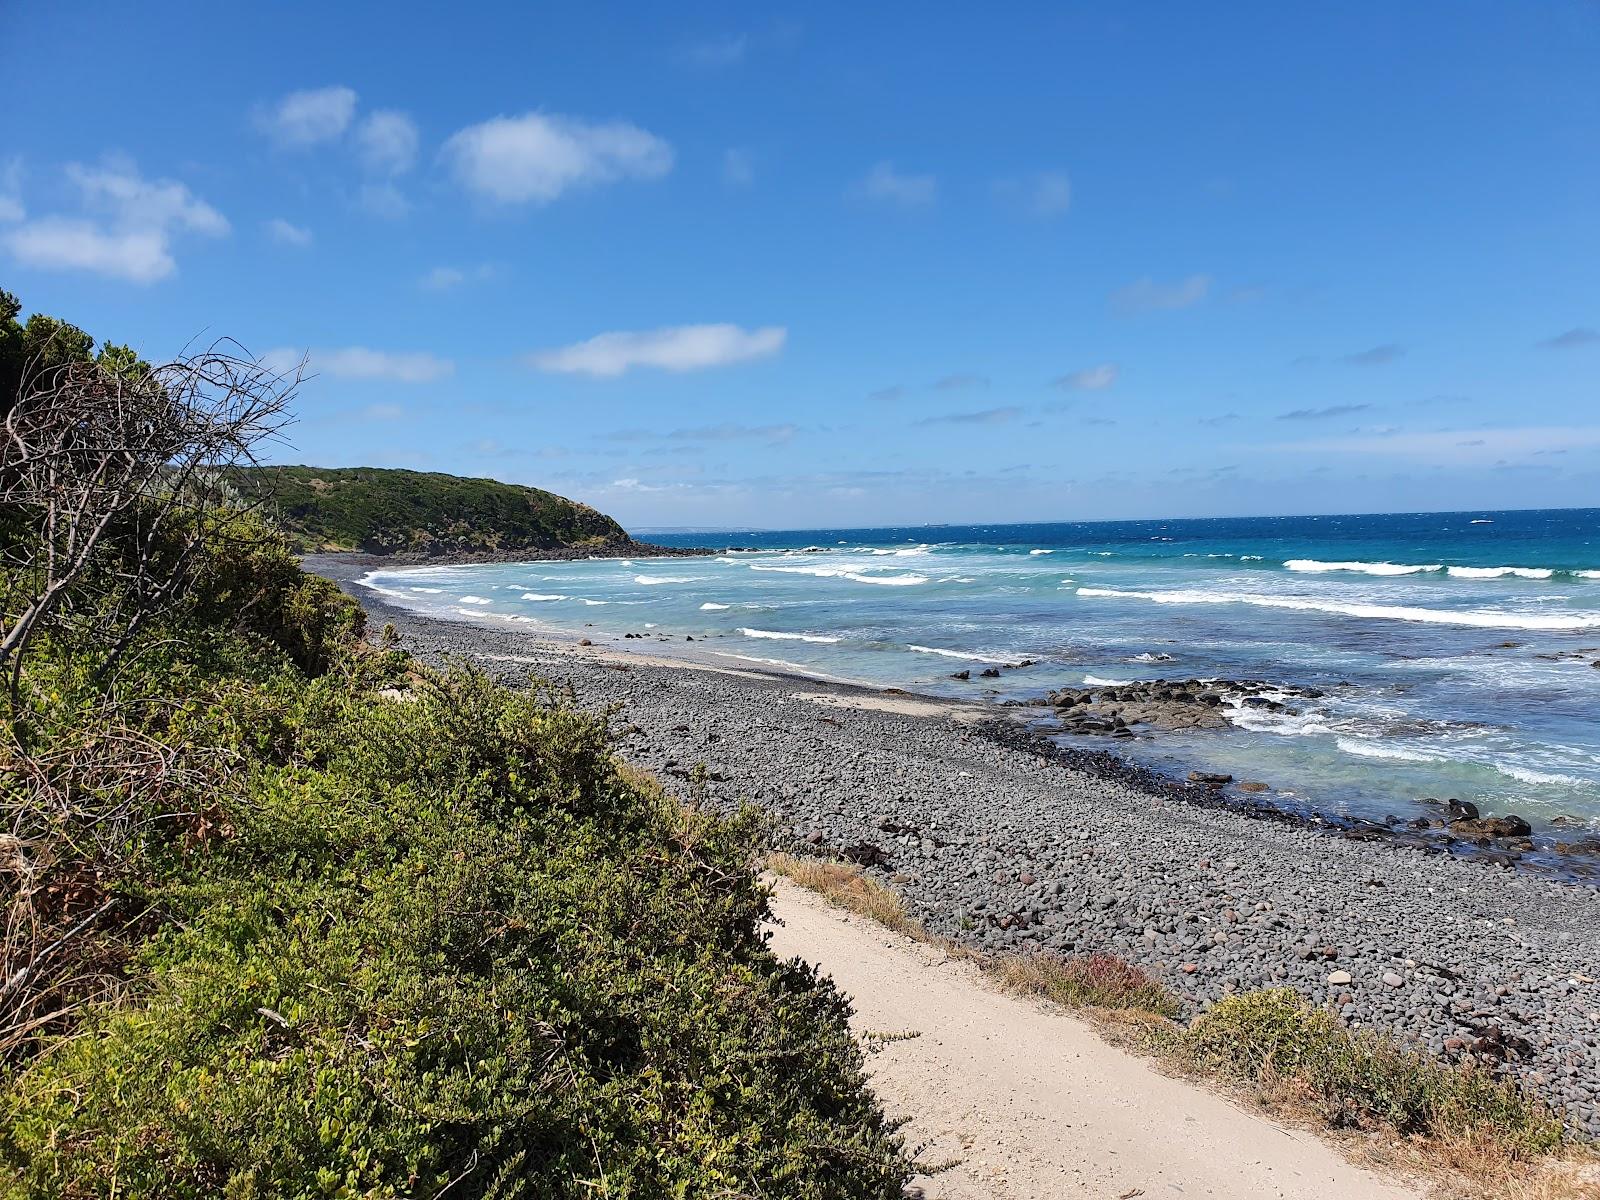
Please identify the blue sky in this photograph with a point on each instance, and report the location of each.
(745, 265)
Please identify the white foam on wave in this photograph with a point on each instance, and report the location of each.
(1365, 568)
(1499, 572)
(1587, 574)
(837, 573)
(537, 596)
(711, 606)
(592, 603)
(430, 591)
(651, 579)
(797, 668)
(1041, 551)
(966, 654)
(1474, 618)
(788, 637)
(1372, 748)
(474, 600)
(1529, 775)
(1096, 681)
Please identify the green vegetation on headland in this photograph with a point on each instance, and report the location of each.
(289, 915)
(383, 511)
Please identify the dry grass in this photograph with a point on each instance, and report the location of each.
(845, 885)
(1469, 1135)
(1085, 980)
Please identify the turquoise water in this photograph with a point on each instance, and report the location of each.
(1456, 650)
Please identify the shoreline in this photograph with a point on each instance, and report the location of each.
(995, 841)
(1023, 725)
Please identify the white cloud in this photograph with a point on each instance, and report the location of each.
(885, 183)
(387, 142)
(383, 412)
(309, 117)
(285, 234)
(737, 169)
(359, 362)
(129, 236)
(1042, 194)
(135, 203)
(537, 156)
(1146, 295)
(1090, 379)
(66, 244)
(11, 209)
(679, 348)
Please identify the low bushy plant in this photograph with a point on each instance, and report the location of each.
(1361, 1079)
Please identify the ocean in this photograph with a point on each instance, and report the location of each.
(1457, 652)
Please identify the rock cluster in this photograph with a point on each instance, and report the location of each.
(1114, 709)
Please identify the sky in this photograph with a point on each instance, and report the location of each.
(740, 265)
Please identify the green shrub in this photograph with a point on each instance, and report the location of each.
(1356, 1078)
(442, 940)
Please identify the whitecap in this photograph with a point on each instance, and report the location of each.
(966, 654)
(1478, 619)
(787, 637)
(537, 596)
(592, 603)
(1365, 568)
(430, 591)
(1041, 551)
(474, 600)
(1096, 681)
(1372, 748)
(649, 579)
(709, 606)
(1500, 572)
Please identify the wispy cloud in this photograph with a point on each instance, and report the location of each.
(446, 279)
(986, 416)
(383, 199)
(1317, 414)
(307, 118)
(960, 382)
(128, 232)
(1090, 379)
(360, 362)
(1041, 194)
(720, 50)
(728, 432)
(1227, 418)
(1572, 339)
(287, 234)
(737, 169)
(886, 184)
(1148, 295)
(1471, 446)
(386, 142)
(535, 157)
(11, 208)
(1377, 356)
(676, 348)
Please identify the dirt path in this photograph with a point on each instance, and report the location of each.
(1032, 1101)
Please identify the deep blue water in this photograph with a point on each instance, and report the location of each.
(1456, 649)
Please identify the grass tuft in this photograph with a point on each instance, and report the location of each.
(1356, 1079)
(847, 887)
(1086, 980)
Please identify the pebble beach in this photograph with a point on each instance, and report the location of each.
(1000, 839)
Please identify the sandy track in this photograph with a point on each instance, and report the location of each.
(1032, 1101)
